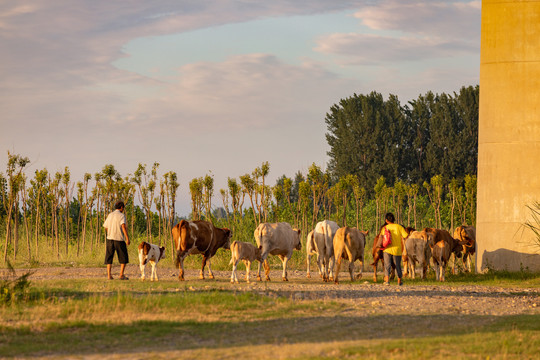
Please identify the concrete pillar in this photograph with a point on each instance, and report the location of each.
(509, 135)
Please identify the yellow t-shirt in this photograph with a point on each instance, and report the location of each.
(397, 232)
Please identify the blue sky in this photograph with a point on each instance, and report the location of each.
(213, 86)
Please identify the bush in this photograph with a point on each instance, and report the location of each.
(13, 288)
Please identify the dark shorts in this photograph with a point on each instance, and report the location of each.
(120, 248)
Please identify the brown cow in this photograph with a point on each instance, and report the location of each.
(349, 244)
(198, 237)
(442, 247)
(246, 252)
(468, 234)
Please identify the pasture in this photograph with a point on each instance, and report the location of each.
(74, 312)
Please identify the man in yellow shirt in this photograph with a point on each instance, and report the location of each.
(392, 253)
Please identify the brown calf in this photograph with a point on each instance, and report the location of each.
(246, 252)
(442, 247)
(467, 234)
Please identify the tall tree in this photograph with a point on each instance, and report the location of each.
(208, 192)
(15, 166)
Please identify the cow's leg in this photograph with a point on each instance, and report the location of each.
(181, 257)
(337, 255)
(267, 270)
(406, 262)
(284, 260)
(351, 270)
(248, 268)
(332, 265)
(264, 262)
(320, 261)
(424, 270)
(469, 263)
(466, 262)
(154, 271)
(361, 271)
(201, 274)
(308, 259)
(233, 273)
(210, 273)
(142, 266)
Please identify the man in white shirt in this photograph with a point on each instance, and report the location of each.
(117, 239)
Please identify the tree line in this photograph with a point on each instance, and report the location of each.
(431, 135)
(415, 161)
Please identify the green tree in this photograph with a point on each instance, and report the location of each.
(15, 166)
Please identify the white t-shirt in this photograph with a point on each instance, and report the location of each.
(113, 223)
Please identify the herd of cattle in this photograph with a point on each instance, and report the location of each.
(330, 243)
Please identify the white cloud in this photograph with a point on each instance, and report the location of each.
(369, 49)
(430, 19)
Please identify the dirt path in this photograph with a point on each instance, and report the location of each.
(370, 297)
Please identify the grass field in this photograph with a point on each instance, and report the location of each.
(95, 318)
(212, 319)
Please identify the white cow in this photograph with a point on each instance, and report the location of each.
(276, 239)
(150, 253)
(323, 238)
(246, 252)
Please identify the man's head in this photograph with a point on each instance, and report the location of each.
(119, 205)
(390, 218)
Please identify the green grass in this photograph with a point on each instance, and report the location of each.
(197, 319)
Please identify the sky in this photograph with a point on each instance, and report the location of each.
(213, 87)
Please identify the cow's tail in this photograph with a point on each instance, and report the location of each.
(232, 252)
(258, 236)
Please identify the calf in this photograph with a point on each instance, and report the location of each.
(150, 253)
(418, 250)
(404, 256)
(246, 252)
(442, 246)
(467, 234)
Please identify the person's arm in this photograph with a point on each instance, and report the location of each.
(124, 230)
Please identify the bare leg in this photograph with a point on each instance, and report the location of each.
(109, 267)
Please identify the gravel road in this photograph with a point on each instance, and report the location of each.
(372, 297)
